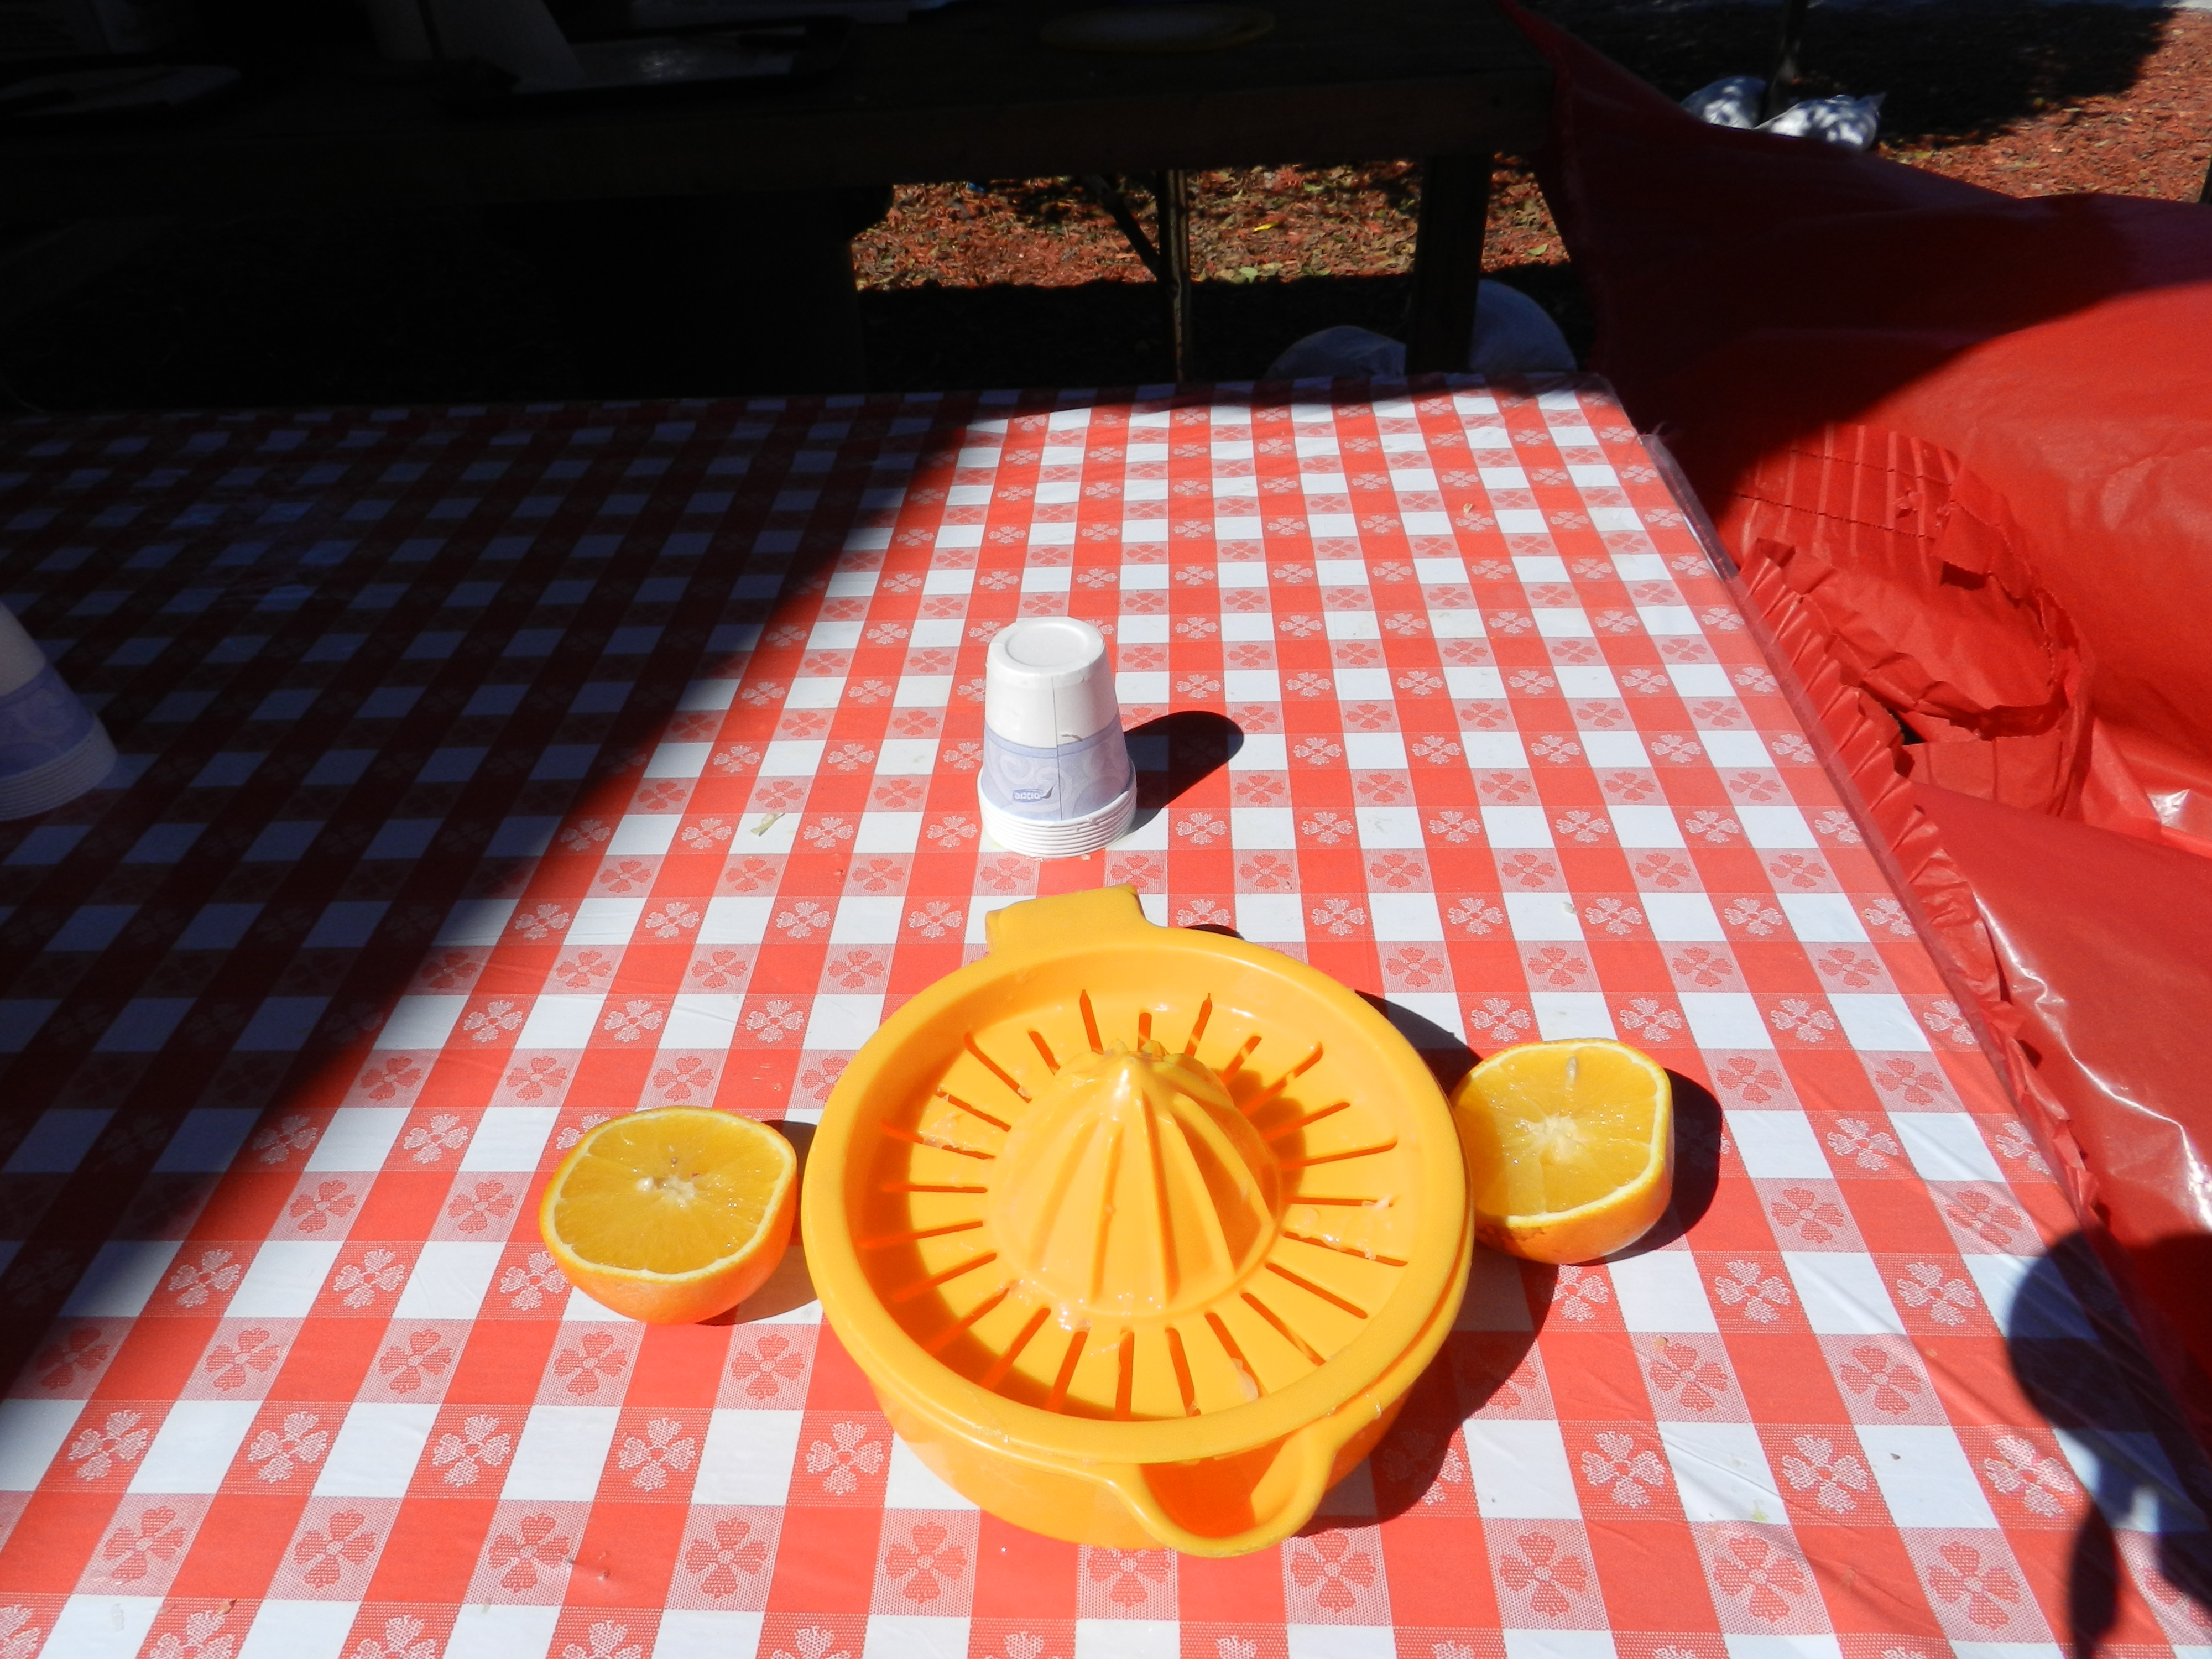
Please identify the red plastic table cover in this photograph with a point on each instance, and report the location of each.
(493, 771)
(1963, 448)
(1750, 289)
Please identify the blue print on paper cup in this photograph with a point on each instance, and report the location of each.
(1050, 785)
(41, 722)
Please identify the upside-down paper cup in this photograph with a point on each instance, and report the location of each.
(52, 748)
(1057, 781)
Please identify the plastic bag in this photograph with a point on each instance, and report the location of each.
(1513, 335)
(1851, 122)
(1734, 102)
(1730, 102)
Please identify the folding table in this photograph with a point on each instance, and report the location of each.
(492, 771)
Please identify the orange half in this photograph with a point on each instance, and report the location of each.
(1570, 1147)
(674, 1215)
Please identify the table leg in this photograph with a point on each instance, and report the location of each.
(1782, 85)
(1446, 261)
(1172, 195)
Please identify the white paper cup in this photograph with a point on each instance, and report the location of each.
(52, 748)
(1057, 781)
(1048, 682)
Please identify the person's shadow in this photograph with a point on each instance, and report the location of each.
(2078, 1358)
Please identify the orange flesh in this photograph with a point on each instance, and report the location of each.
(667, 1194)
(1572, 1123)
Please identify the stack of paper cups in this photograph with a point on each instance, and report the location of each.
(51, 747)
(1056, 781)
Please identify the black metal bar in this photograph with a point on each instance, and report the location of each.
(1788, 57)
(1446, 261)
(1102, 190)
(1172, 196)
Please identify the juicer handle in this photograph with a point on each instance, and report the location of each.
(1312, 1452)
(1046, 924)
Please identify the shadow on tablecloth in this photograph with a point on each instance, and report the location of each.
(2079, 1360)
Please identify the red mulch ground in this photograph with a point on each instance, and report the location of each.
(2029, 100)
(2149, 140)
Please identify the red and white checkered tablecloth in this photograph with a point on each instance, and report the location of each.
(493, 771)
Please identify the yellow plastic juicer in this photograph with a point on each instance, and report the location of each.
(1141, 1233)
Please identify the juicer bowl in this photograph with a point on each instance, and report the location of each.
(1140, 1234)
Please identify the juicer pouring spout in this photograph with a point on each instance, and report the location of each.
(1233, 1505)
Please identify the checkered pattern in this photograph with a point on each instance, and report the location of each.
(491, 772)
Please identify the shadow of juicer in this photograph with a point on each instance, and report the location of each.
(1141, 1234)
